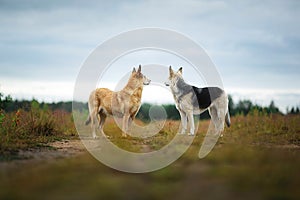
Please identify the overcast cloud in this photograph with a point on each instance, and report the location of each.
(254, 44)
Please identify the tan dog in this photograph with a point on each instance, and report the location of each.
(123, 104)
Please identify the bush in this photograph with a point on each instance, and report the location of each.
(29, 129)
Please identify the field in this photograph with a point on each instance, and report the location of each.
(257, 158)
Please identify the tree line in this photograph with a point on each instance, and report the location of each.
(242, 107)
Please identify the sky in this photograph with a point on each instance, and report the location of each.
(255, 45)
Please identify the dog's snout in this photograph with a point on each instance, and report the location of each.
(147, 82)
(167, 84)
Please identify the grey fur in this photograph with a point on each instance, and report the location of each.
(191, 100)
(183, 89)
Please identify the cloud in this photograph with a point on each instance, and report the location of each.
(47, 91)
(254, 44)
(283, 98)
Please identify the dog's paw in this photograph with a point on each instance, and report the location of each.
(95, 137)
(191, 134)
(124, 135)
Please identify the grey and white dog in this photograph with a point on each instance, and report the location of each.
(191, 100)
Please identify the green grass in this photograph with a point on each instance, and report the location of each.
(258, 158)
(135, 144)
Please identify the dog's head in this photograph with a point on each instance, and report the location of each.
(139, 78)
(173, 76)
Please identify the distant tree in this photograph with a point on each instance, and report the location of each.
(143, 113)
(205, 115)
(172, 111)
(272, 108)
(231, 106)
(292, 110)
(1, 101)
(6, 102)
(244, 107)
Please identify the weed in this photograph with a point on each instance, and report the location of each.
(29, 129)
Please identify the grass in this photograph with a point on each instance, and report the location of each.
(258, 158)
(25, 130)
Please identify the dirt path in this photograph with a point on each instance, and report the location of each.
(68, 148)
(61, 149)
(72, 148)
(57, 150)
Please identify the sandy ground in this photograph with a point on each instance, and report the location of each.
(72, 148)
(61, 149)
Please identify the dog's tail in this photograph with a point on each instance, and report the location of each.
(88, 120)
(227, 119)
(90, 107)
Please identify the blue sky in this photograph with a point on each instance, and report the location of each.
(255, 45)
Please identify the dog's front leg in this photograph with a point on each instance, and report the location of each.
(190, 117)
(183, 122)
(125, 125)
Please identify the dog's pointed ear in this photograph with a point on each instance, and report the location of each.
(180, 70)
(170, 70)
(139, 69)
(133, 70)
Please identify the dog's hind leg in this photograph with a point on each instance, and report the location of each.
(214, 118)
(93, 112)
(94, 119)
(102, 121)
(130, 120)
(218, 117)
